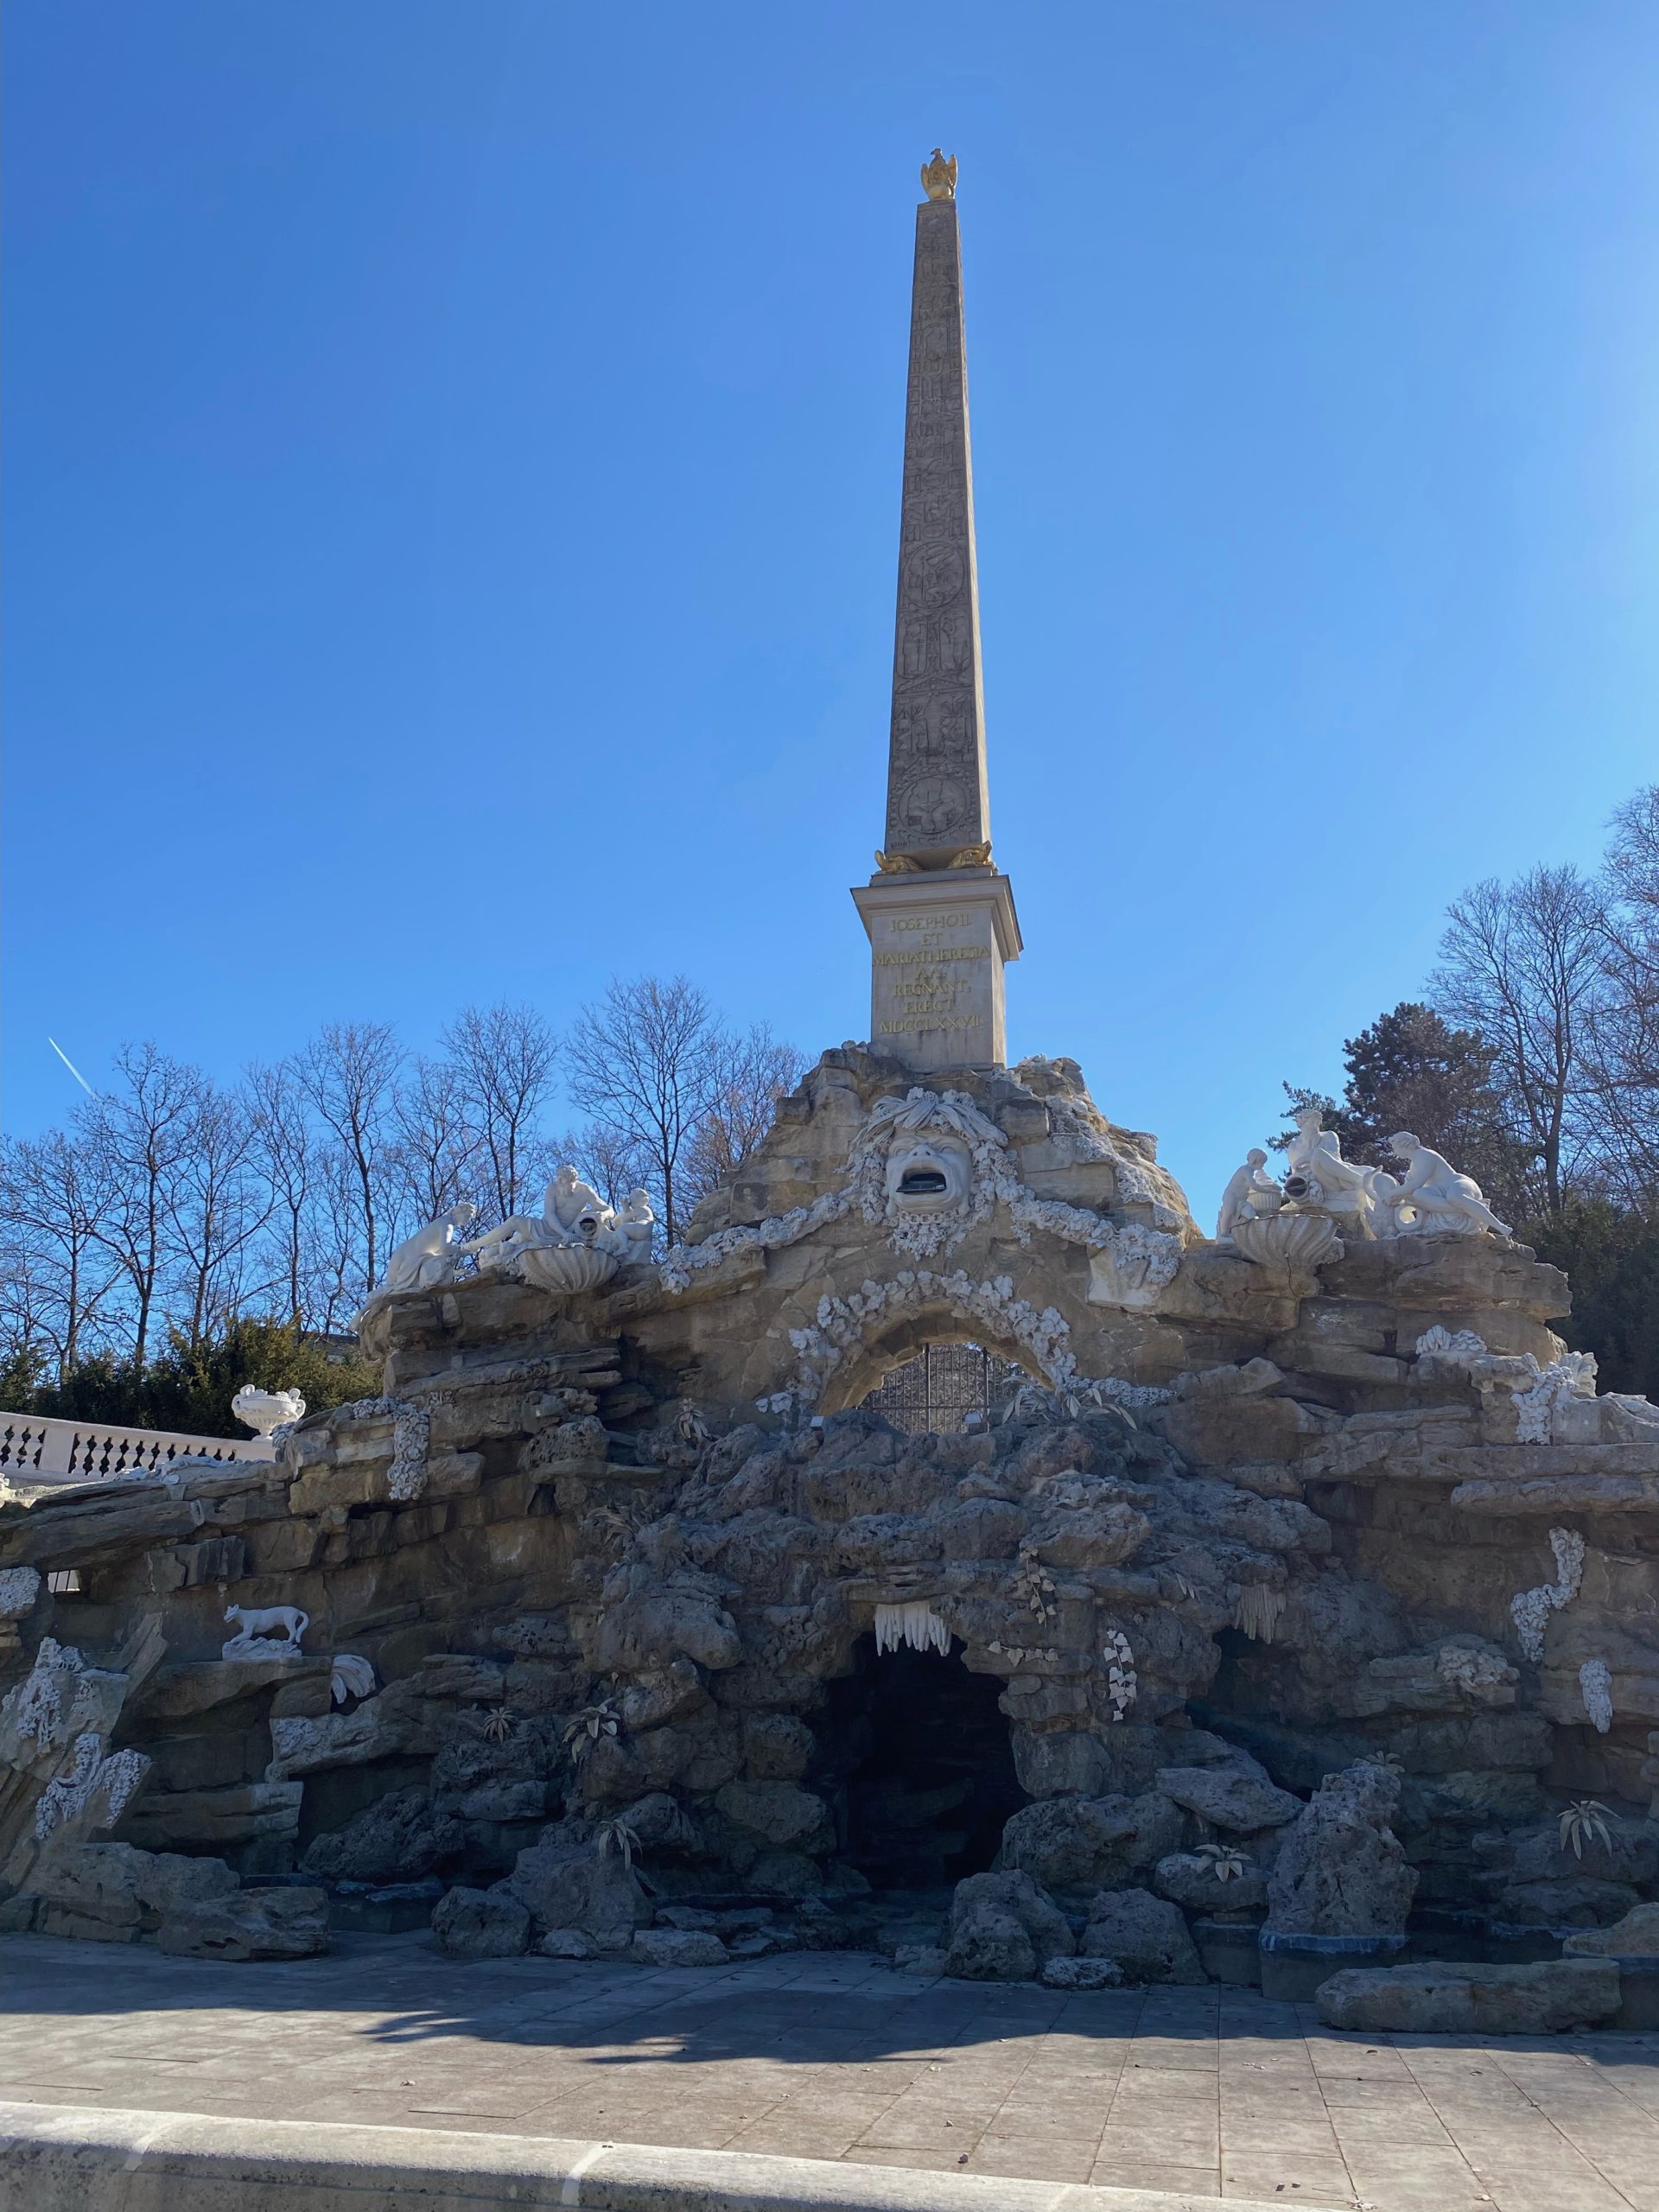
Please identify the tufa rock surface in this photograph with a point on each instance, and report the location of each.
(1341, 1870)
(1145, 1936)
(250, 1924)
(1004, 1927)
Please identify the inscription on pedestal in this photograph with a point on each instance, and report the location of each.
(936, 968)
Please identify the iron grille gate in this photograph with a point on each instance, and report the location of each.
(935, 1392)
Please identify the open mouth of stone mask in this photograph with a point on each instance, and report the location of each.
(922, 1183)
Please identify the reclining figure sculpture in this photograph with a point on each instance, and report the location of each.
(1429, 1198)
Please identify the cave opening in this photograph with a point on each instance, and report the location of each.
(918, 1767)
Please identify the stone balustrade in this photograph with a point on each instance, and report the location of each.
(38, 1452)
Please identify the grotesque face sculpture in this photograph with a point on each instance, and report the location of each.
(928, 1173)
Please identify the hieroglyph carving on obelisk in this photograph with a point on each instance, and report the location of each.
(940, 918)
(937, 805)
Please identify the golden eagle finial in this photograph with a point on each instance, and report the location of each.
(939, 176)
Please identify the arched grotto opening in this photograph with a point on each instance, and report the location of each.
(942, 1388)
(918, 1765)
(927, 1372)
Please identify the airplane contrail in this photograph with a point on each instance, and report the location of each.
(72, 1069)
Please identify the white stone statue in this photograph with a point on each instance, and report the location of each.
(572, 1211)
(1250, 1192)
(501, 1245)
(1385, 1202)
(629, 1231)
(1432, 1195)
(259, 1626)
(573, 1216)
(427, 1259)
(577, 1243)
(265, 1411)
(1340, 1185)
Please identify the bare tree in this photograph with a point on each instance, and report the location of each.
(218, 1207)
(349, 1071)
(1627, 1022)
(436, 1150)
(54, 1201)
(645, 1062)
(170, 1202)
(1524, 964)
(336, 1251)
(29, 1342)
(285, 1151)
(753, 1072)
(139, 1135)
(504, 1056)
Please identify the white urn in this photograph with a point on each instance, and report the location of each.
(265, 1411)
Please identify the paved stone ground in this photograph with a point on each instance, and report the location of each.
(818, 2056)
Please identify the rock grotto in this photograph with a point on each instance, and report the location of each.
(1276, 1605)
(1270, 1610)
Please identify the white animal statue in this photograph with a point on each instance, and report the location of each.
(1433, 1195)
(427, 1260)
(1251, 1192)
(265, 1411)
(260, 1624)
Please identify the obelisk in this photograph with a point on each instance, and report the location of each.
(940, 918)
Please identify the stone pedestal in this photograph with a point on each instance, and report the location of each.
(938, 942)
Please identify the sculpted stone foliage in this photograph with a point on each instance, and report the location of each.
(411, 1434)
(845, 1325)
(352, 1676)
(1530, 1609)
(1538, 1393)
(927, 1168)
(19, 1588)
(91, 1777)
(41, 1709)
(1596, 1688)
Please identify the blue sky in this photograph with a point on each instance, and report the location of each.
(453, 492)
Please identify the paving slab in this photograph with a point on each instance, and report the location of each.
(833, 2060)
